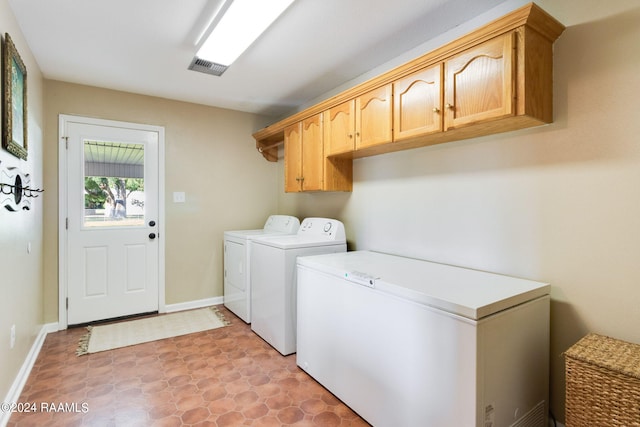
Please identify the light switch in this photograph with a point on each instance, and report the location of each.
(179, 197)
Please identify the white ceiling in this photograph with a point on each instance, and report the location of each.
(145, 46)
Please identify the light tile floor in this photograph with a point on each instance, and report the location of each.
(223, 377)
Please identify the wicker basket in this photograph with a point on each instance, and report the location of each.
(603, 383)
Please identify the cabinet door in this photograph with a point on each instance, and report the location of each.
(417, 106)
(312, 154)
(480, 83)
(339, 128)
(293, 158)
(374, 117)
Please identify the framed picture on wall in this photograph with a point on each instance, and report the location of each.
(14, 98)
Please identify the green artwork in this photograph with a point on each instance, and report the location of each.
(17, 103)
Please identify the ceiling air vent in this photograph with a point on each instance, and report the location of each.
(207, 67)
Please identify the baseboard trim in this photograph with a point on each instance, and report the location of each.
(23, 374)
(190, 305)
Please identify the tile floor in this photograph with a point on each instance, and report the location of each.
(223, 377)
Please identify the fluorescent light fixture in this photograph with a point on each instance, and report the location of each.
(239, 27)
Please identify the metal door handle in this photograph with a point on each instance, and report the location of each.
(152, 236)
(152, 223)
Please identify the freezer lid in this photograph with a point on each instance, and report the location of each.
(462, 291)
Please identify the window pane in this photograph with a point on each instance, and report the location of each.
(113, 184)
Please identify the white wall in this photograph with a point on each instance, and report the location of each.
(559, 203)
(21, 271)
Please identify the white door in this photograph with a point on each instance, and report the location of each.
(112, 248)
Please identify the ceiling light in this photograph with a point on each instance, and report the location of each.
(239, 27)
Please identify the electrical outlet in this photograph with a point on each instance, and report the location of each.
(13, 335)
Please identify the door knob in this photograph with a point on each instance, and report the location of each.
(152, 236)
(152, 223)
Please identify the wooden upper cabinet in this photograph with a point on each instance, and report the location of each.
(417, 104)
(495, 79)
(303, 155)
(359, 123)
(312, 153)
(480, 83)
(339, 128)
(293, 157)
(374, 117)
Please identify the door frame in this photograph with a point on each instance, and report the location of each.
(63, 120)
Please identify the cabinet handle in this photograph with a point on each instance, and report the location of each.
(350, 135)
(449, 106)
(436, 110)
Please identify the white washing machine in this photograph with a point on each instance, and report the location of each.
(273, 277)
(237, 252)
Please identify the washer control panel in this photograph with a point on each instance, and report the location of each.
(331, 229)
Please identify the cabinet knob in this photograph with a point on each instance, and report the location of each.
(350, 135)
(436, 110)
(449, 106)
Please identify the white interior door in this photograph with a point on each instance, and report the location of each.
(112, 233)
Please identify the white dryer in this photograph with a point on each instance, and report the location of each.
(237, 252)
(273, 277)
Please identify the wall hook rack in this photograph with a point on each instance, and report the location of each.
(15, 189)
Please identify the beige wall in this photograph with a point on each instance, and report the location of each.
(210, 155)
(559, 203)
(21, 272)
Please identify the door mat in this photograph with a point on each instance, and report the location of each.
(123, 334)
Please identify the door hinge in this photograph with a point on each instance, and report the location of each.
(66, 142)
(66, 223)
(67, 303)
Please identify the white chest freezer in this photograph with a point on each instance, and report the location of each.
(406, 342)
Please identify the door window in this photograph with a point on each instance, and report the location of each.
(113, 184)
